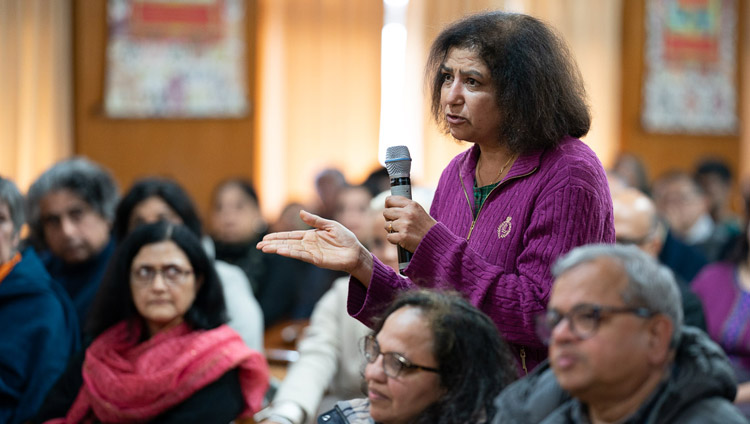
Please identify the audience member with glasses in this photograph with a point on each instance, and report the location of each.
(618, 352)
(154, 199)
(162, 351)
(431, 358)
(329, 368)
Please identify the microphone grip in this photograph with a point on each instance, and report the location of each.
(404, 257)
(401, 186)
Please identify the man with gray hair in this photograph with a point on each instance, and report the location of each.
(618, 351)
(71, 208)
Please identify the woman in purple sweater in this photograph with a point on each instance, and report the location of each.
(526, 192)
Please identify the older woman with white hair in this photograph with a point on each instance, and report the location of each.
(40, 329)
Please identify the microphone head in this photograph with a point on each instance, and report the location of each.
(398, 161)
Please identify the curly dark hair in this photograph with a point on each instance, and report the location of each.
(114, 300)
(474, 361)
(538, 86)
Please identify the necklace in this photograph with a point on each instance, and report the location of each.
(499, 173)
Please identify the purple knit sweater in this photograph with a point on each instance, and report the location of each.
(551, 201)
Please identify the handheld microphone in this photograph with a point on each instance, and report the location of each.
(398, 165)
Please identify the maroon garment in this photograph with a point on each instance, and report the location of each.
(551, 201)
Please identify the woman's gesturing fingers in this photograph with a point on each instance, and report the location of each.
(328, 245)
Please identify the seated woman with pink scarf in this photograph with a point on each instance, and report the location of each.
(161, 350)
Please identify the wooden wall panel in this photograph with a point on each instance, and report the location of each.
(198, 153)
(662, 152)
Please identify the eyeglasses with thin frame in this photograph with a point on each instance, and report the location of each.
(583, 319)
(394, 363)
(172, 275)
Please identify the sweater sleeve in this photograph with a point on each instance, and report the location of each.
(569, 216)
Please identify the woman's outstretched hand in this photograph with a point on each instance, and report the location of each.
(328, 245)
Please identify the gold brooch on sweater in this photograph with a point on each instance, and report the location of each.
(504, 229)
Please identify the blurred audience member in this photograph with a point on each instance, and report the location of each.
(615, 182)
(631, 169)
(236, 213)
(724, 288)
(715, 178)
(432, 358)
(71, 208)
(378, 181)
(682, 203)
(279, 284)
(156, 199)
(618, 352)
(637, 223)
(353, 209)
(289, 219)
(327, 184)
(161, 351)
(39, 322)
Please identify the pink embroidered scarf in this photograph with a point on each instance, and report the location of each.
(126, 381)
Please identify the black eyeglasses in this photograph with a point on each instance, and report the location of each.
(393, 363)
(171, 274)
(583, 319)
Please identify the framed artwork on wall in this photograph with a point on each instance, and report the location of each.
(690, 76)
(175, 59)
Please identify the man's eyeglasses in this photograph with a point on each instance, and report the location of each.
(393, 363)
(171, 274)
(583, 319)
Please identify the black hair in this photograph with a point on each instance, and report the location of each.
(243, 184)
(167, 190)
(114, 300)
(378, 181)
(716, 167)
(475, 362)
(538, 86)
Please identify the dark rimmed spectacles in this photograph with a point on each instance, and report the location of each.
(172, 275)
(394, 363)
(583, 319)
